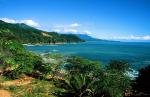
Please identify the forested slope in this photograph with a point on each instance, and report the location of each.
(27, 34)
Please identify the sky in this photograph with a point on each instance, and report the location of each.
(127, 20)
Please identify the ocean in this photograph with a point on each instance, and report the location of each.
(136, 53)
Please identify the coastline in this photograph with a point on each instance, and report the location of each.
(58, 43)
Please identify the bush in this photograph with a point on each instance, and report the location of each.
(118, 65)
(77, 65)
(18, 61)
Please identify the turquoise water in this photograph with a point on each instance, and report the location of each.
(137, 54)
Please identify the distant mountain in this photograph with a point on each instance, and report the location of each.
(89, 38)
(27, 34)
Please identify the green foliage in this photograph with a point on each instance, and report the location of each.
(77, 86)
(11, 47)
(116, 83)
(87, 79)
(118, 65)
(77, 65)
(16, 60)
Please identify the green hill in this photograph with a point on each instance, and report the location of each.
(27, 34)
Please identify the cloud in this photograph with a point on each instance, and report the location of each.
(74, 28)
(8, 20)
(66, 31)
(146, 37)
(74, 25)
(132, 37)
(28, 22)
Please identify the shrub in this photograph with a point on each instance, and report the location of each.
(87, 79)
(118, 65)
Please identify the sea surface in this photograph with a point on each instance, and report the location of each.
(136, 53)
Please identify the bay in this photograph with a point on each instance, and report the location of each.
(136, 53)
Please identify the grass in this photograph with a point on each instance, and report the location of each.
(3, 79)
(37, 88)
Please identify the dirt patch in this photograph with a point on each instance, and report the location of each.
(19, 82)
(4, 93)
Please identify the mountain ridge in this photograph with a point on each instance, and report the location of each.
(27, 34)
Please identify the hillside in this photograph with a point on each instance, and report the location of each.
(27, 34)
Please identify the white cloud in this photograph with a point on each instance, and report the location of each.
(8, 20)
(132, 37)
(74, 25)
(74, 28)
(146, 37)
(28, 22)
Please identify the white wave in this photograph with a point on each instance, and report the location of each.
(132, 73)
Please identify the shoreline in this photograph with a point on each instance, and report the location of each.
(40, 44)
